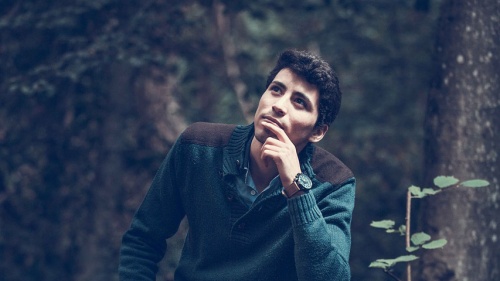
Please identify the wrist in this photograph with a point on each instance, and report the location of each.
(297, 194)
(300, 185)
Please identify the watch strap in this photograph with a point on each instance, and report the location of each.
(290, 190)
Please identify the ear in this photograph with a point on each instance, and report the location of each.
(318, 133)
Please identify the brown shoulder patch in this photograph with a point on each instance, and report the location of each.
(329, 168)
(209, 134)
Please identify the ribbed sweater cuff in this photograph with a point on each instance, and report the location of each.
(303, 209)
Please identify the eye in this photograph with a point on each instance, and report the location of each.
(300, 101)
(275, 89)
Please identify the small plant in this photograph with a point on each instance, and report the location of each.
(418, 240)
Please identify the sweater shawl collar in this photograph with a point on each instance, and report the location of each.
(237, 152)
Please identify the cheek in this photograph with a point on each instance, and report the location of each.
(299, 129)
(302, 126)
(261, 105)
(265, 100)
(305, 120)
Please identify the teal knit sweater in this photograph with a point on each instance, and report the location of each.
(304, 238)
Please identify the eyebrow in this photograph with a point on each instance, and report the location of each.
(302, 95)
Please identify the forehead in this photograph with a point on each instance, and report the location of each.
(297, 84)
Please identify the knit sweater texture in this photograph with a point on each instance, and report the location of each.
(304, 238)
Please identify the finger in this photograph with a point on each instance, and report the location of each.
(270, 150)
(275, 129)
(267, 155)
(283, 147)
(269, 145)
(276, 150)
(272, 142)
(270, 156)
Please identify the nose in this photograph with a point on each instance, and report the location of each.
(279, 107)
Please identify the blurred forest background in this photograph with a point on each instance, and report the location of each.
(93, 94)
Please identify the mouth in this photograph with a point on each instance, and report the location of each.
(272, 120)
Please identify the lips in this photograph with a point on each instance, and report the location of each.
(272, 120)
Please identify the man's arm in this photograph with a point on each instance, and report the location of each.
(158, 218)
(322, 232)
(321, 229)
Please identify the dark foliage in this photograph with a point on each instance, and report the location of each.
(87, 111)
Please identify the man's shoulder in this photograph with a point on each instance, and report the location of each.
(328, 167)
(208, 134)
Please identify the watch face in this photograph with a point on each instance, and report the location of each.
(304, 181)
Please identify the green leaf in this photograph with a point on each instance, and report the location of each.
(445, 181)
(475, 183)
(386, 263)
(430, 191)
(380, 264)
(402, 229)
(420, 238)
(416, 191)
(435, 244)
(387, 224)
(405, 258)
(412, 249)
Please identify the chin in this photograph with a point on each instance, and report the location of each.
(261, 137)
(262, 134)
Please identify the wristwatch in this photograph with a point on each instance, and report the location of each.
(301, 182)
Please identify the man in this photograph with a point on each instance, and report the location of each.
(262, 202)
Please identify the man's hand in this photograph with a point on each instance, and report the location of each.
(282, 152)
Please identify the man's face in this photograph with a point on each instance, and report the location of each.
(291, 103)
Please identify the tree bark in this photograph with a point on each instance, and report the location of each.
(463, 140)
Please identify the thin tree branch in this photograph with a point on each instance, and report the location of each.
(408, 233)
(392, 274)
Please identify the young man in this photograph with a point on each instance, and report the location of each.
(262, 202)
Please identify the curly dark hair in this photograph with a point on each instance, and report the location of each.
(317, 72)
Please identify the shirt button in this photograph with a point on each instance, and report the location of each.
(253, 192)
(230, 197)
(241, 226)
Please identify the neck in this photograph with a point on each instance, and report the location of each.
(262, 170)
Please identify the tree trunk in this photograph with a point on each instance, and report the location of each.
(463, 140)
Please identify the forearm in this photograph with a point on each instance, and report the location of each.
(138, 260)
(322, 236)
(158, 218)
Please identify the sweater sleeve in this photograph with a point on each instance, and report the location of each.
(158, 218)
(321, 231)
